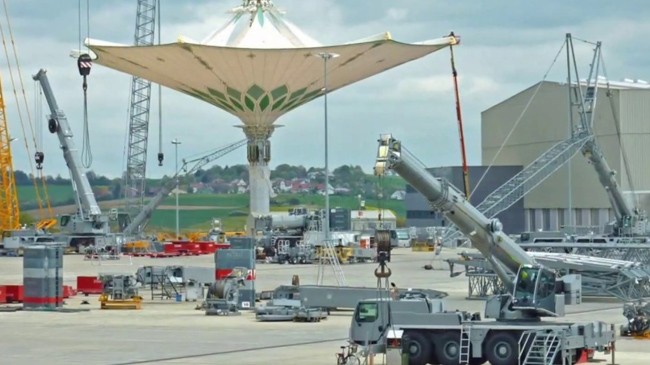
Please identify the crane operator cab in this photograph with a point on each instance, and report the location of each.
(535, 289)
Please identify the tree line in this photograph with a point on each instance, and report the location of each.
(345, 176)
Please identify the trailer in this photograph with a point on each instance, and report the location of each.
(340, 297)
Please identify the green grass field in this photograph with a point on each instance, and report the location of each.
(58, 194)
(232, 209)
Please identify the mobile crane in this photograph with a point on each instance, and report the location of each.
(518, 335)
(88, 226)
(189, 167)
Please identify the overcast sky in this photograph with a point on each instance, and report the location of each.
(506, 47)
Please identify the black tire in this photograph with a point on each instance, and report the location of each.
(447, 348)
(352, 360)
(502, 348)
(477, 360)
(418, 347)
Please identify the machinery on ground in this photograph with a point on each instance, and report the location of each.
(638, 324)
(518, 335)
(619, 260)
(120, 292)
(88, 226)
(223, 295)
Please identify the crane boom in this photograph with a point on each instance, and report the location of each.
(485, 233)
(58, 123)
(145, 214)
(533, 289)
(9, 209)
(584, 96)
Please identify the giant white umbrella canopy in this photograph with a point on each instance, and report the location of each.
(257, 67)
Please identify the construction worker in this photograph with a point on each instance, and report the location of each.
(393, 292)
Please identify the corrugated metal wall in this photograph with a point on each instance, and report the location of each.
(546, 122)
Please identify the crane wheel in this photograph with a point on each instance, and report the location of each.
(447, 348)
(502, 348)
(418, 347)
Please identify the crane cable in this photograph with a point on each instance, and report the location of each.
(519, 119)
(616, 121)
(39, 200)
(161, 155)
(83, 63)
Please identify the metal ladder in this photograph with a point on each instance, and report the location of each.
(329, 254)
(543, 349)
(527, 179)
(465, 340)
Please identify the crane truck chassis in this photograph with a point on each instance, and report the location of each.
(431, 334)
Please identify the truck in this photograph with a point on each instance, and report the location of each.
(517, 332)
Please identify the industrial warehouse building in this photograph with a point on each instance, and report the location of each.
(573, 196)
(420, 214)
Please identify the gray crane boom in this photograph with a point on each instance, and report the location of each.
(145, 214)
(607, 178)
(584, 98)
(485, 234)
(58, 123)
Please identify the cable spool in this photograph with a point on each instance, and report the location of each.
(382, 238)
(218, 290)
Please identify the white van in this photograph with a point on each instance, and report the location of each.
(401, 238)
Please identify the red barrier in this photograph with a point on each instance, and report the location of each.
(14, 293)
(223, 273)
(89, 285)
(3, 295)
(212, 247)
(68, 291)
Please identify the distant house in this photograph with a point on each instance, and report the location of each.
(398, 195)
(284, 186)
(200, 188)
(241, 186)
(320, 189)
(300, 186)
(342, 191)
(180, 192)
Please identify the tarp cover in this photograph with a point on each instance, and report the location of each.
(259, 67)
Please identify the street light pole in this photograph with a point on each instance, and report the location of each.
(176, 142)
(326, 57)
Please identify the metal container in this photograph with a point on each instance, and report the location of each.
(43, 277)
(232, 258)
(340, 219)
(241, 243)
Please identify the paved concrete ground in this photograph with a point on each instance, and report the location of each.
(175, 333)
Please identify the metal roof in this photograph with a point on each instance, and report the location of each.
(261, 66)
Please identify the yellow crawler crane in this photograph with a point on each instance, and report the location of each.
(9, 209)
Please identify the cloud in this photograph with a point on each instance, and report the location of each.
(506, 47)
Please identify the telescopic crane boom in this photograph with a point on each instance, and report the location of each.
(89, 216)
(533, 287)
